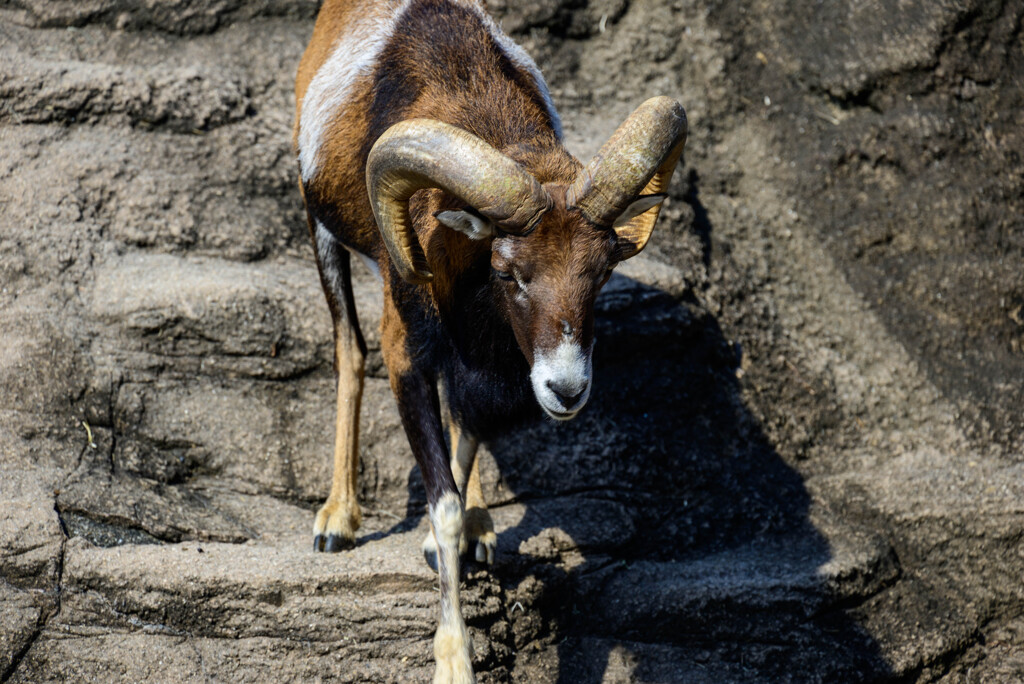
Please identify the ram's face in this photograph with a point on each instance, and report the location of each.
(547, 282)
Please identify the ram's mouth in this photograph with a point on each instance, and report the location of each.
(559, 415)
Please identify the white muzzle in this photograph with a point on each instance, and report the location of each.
(561, 379)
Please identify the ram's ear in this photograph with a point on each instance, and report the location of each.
(638, 207)
(634, 228)
(471, 224)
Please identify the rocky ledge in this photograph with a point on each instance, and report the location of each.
(802, 460)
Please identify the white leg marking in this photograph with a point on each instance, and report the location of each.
(354, 56)
(453, 650)
(462, 459)
(327, 247)
(567, 369)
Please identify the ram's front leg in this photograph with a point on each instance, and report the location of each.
(453, 652)
(335, 525)
(421, 416)
(478, 536)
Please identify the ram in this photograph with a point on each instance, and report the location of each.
(428, 147)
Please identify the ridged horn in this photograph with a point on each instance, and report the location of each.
(424, 153)
(638, 159)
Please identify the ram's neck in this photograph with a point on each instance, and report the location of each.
(485, 374)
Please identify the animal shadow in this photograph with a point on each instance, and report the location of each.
(668, 539)
(667, 533)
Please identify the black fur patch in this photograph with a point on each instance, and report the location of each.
(420, 410)
(485, 375)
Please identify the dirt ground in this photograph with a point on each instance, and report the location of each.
(804, 457)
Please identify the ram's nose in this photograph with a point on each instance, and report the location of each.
(568, 398)
(561, 379)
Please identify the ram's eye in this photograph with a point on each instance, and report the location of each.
(502, 275)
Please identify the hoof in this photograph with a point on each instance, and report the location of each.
(486, 546)
(332, 543)
(335, 527)
(429, 547)
(480, 533)
(430, 555)
(337, 543)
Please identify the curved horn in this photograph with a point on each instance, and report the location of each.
(423, 153)
(638, 159)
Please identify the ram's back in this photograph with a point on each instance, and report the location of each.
(373, 63)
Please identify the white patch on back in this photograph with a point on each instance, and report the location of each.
(353, 57)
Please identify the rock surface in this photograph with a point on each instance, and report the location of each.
(802, 460)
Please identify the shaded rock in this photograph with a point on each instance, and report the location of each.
(333, 615)
(31, 560)
(160, 512)
(39, 368)
(755, 592)
(999, 661)
(919, 625)
(847, 47)
(960, 523)
(617, 660)
(258, 321)
(20, 617)
(105, 656)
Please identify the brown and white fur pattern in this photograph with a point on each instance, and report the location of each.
(506, 325)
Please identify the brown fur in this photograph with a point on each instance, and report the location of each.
(556, 261)
(507, 114)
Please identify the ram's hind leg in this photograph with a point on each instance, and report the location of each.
(478, 531)
(338, 519)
